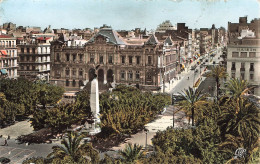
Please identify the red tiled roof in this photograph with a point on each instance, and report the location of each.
(43, 38)
(5, 36)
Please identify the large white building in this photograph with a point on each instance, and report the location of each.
(243, 52)
(34, 56)
(166, 25)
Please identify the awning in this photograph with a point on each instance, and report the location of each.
(183, 59)
(3, 52)
(191, 60)
(3, 71)
(198, 55)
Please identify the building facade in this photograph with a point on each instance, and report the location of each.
(243, 52)
(34, 56)
(8, 56)
(137, 61)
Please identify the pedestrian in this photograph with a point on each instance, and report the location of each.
(188, 77)
(209, 88)
(6, 144)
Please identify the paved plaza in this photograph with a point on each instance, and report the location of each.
(20, 128)
(16, 155)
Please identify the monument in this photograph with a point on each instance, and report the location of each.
(92, 125)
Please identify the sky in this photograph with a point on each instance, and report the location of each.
(126, 14)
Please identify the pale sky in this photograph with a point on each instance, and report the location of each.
(126, 14)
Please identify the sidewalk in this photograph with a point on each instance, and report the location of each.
(160, 124)
(173, 83)
(18, 129)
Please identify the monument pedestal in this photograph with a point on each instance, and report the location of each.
(93, 126)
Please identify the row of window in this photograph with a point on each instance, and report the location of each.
(101, 58)
(27, 50)
(242, 68)
(138, 59)
(243, 54)
(33, 50)
(34, 59)
(74, 83)
(7, 43)
(8, 63)
(242, 76)
(130, 75)
(33, 68)
(11, 53)
(73, 72)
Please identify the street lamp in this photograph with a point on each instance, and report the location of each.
(146, 131)
(194, 77)
(173, 99)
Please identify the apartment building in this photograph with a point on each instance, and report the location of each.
(8, 56)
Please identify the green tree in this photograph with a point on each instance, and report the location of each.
(20, 91)
(243, 124)
(35, 160)
(217, 73)
(132, 153)
(126, 110)
(192, 98)
(48, 94)
(72, 149)
(237, 87)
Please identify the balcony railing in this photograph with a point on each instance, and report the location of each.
(233, 68)
(242, 69)
(251, 69)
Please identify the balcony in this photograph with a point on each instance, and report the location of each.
(242, 69)
(251, 69)
(233, 68)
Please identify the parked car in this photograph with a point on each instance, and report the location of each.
(4, 160)
(193, 68)
(176, 98)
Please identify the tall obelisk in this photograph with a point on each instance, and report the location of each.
(93, 127)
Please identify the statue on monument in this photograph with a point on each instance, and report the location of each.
(92, 125)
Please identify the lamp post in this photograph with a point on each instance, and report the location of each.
(173, 99)
(194, 77)
(146, 131)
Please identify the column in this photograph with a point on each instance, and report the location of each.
(247, 73)
(105, 77)
(238, 66)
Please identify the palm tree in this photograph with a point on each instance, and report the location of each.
(132, 153)
(244, 124)
(237, 88)
(191, 99)
(71, 149)
(217, 73)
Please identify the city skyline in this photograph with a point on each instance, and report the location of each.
(125, 15)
